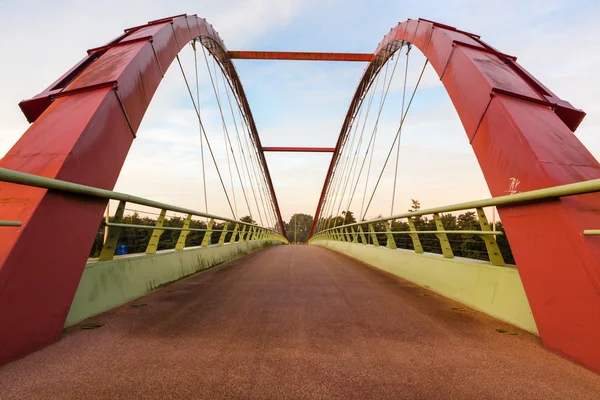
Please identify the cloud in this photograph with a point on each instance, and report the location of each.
(303, 103)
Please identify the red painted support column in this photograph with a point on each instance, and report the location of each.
(522, 136)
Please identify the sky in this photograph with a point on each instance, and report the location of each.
(303, 103)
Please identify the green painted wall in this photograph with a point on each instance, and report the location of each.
(105, 285)
(496, 291)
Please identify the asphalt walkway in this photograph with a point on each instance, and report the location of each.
(296, 322)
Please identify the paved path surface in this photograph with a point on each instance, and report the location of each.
(295, 322)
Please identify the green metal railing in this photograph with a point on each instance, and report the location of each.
(242, 231)
(10, 223)
(369, 235)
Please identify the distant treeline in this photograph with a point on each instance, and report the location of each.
(137, 239)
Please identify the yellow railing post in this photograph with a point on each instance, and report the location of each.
(490, 240)
(373, 236)
(208, 233)
(110, 244)
(183, 235)
(414, 236)
(442, 237)
(242, 234)
(348, 237)
(391, 242)
(354, 235)
(156, 233)
(223, 234)
(363, 238)
(235, 232)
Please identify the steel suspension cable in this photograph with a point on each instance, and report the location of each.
(255, 164)
(247, 130)
(199, 128)
(380, 106)
(205, 136)
(375, 128)
(376, 125)
(356, 119)
(243, 156)
(401, 113)
(225, 131)
(231, 147)
(257, 169)
(370, 103)
(369, 144)
(227, 137)
(355, 124)
(397, 137)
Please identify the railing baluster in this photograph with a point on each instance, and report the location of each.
(373, 236)
(183, 235)
(110, 244)
(234, 234)
(223, 234)
(363, 238)
(206, 239)
(242, 234)
(442, 237)
(490, 240)
(354, 235)
(391, 242)
(414, 236)
(156, 233)
(348, 237)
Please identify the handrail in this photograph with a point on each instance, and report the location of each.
(494, 233)
(10, 223)
(347, 233)
(22, 178)
(591, 232)
(168, 228)
(570, 189)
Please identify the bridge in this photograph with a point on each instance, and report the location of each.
(189, 303)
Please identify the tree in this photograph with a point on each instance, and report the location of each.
(416, 205)
(299, 225)
(348, 217)
(248, 219)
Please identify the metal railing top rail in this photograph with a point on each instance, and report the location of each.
(555, 192)
(10, 223)
(22, 178)
(168, 228)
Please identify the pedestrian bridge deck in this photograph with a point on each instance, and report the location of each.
(295, 322)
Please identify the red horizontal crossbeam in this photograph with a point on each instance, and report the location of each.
(300, 55)
(301, 149)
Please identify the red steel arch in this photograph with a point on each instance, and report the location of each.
(519, 130)
(84, 124)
